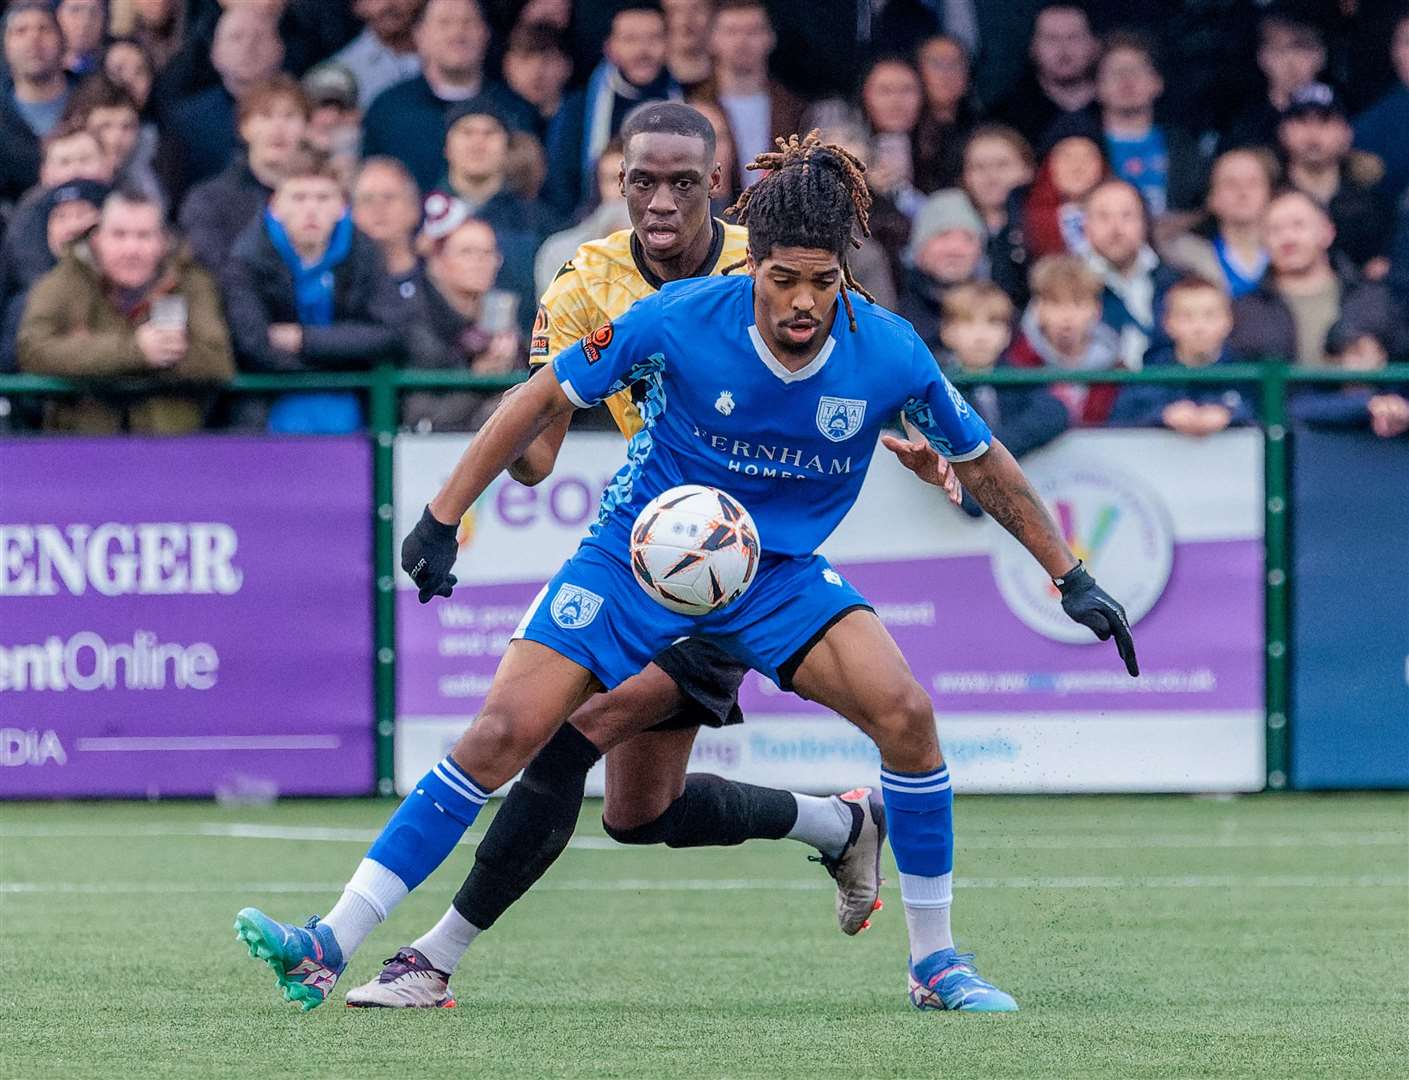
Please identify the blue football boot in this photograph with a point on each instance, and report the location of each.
(306, 959)
(949, 980)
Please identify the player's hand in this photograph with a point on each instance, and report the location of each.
(428, 554)
(922, 459)
(1087, 603)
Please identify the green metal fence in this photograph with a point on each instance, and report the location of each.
(384, 386)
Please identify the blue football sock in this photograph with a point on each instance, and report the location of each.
(920, 818)
(429, 823)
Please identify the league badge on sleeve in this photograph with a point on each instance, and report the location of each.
(574, 607)
(596, 341)
(840, 418)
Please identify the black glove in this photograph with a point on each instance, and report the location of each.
(1087, 603)
(428, 554)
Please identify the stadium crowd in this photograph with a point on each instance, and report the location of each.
(195, 188)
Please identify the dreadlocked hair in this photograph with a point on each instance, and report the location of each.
(813, 195)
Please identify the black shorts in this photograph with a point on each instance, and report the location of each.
(709, 678)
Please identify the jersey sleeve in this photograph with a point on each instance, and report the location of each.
(566, 314)
(613, 355)
(940, 412)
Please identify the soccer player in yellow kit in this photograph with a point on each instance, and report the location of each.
(647, 726)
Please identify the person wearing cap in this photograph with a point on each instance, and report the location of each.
(1315, 137)
(305, 291)
(407, 121)
(477, 152)
(335, 124)
(30, 106)
(458, 322)
(68, 211)
(384, 53)
(272, 118)
(947, 241)
(125, 302)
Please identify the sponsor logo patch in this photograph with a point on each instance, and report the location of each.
(595, 342)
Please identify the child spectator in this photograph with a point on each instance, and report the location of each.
(977, 328)
(1198, 317)
(106, 110)
(1062, 329)
(126, 302)
(1382, 409)
(461, 322)
(306, 291)
(1053, 218)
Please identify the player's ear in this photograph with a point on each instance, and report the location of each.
(621, 178)
(749, 263)
(716, 181)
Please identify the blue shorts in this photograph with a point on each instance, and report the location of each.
(595, 613)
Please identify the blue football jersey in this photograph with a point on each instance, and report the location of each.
(719, 409)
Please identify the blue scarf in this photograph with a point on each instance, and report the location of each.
(313, 285)
(321, 413)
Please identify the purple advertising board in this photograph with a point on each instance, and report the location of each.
(1026, 700)
(185, 617)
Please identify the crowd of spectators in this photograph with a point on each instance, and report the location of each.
(195, 188)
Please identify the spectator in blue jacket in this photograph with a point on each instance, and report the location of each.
(976, 330)
(1198, 317)
(1380, 128)
(1382, 409)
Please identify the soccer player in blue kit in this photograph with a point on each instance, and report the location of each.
(754, 385)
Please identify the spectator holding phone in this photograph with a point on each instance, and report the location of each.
(126, 304)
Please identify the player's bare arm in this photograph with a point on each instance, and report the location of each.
(996, 480)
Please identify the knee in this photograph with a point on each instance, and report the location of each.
(659, 829)
(902, 725)
(498, 736)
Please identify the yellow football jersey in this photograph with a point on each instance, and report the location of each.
(598, 284)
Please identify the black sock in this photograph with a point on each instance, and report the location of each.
(531, 829)
(714, 812)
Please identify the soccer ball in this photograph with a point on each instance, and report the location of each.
(694, 549)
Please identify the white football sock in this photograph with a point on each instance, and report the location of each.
(927, 901)
(824, 822)
(366, 901)
(445, 943)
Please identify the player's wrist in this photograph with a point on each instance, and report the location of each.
(1077, 579)
(432, 524)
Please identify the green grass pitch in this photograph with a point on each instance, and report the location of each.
(1143, 937)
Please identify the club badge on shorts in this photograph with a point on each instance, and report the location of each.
(840, 418)
(574, 607)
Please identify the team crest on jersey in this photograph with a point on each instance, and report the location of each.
(596, 341)
(574, 607)
(725, 402)
(840, 418)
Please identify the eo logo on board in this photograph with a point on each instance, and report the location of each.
(1116, 523)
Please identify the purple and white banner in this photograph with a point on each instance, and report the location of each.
(1025, 699)
(185, 616)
